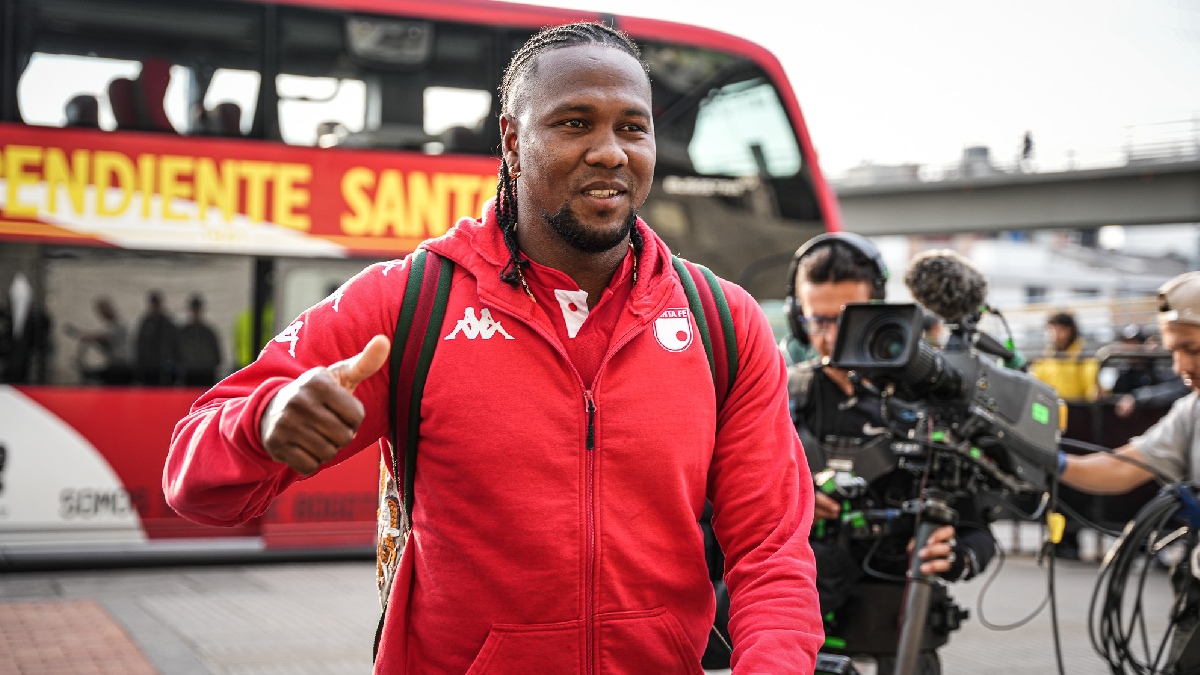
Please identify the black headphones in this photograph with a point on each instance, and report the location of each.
(860, 245)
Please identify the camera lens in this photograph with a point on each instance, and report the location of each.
(887, 344)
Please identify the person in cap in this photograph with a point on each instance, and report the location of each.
(1172, 445)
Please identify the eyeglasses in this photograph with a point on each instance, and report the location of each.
(819, 324)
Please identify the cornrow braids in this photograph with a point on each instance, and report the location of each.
(553, 37)
(506, 217)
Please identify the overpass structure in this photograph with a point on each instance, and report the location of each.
(1147, 193)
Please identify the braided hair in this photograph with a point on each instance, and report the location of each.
(511, 95)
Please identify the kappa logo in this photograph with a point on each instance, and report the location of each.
(484, 326)
(291, 335)
(673, 329)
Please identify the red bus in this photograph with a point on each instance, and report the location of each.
(252, 155)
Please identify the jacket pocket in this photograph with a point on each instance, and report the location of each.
(647, 641)
(519, 649)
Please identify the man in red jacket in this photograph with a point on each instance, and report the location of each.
(569, 440)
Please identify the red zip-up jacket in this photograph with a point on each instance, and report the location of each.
(531, 552)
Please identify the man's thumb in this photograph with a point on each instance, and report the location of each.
(359, 367)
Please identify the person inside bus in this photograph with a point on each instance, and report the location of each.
(861, 576)
(556, 522)
(111, 341)
(26, 330)
(199, 347)
(83, 111)
(157, 344)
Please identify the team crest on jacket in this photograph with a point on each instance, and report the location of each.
(673, 329)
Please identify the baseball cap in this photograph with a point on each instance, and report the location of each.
(1179, 299)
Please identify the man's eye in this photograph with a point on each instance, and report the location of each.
(574, 124)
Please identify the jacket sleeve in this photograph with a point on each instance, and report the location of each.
(217, 472)
(762, 510)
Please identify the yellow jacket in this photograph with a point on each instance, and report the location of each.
(1069, 372)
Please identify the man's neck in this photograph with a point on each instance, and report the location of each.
(592, 271)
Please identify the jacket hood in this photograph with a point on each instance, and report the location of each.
(477, 245)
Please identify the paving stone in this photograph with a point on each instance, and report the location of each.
(52, 636)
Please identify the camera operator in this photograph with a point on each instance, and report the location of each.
(1172, 445)
(861, 579)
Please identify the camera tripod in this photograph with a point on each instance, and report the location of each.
(933, 510)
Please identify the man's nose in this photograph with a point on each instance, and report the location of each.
(606, 150)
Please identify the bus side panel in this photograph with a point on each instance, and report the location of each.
(123, 432)
(334, 509)
(83, 465)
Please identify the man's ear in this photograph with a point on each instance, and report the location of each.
(509, 146)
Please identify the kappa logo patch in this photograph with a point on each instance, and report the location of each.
(673, 329)
(483, 326)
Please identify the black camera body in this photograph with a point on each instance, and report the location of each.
(1003, 420)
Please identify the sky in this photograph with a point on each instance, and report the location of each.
(917, 81)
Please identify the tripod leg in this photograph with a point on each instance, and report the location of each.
(916, 607)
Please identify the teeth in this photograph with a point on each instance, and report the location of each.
(602, 193)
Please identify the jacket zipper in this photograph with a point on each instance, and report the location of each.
(589, 616)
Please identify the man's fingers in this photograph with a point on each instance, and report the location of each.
(350, 372)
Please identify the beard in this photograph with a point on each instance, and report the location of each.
(566, 225)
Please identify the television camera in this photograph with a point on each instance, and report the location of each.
(957, 416)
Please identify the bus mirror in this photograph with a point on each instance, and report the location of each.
(390, 41)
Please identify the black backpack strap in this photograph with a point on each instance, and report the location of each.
(421, 313)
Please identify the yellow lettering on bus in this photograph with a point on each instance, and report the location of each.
(256, 175)
(487, 190)
(428, 205)
(170, 168)
(16, 159)
(106, 166)
(216, 188)
(146, 182)
(288, 196)
(355, 184)
(389, 205)
(464, 189)
(73, 175)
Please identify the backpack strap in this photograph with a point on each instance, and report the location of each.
(421, 313)
(710, 308)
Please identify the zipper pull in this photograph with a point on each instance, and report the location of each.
(590, 406)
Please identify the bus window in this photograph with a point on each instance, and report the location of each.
(387, 83)
(230, 86)
(742, 130)
(139, 66)
(732, 190)
(458, 116)
(307, 103)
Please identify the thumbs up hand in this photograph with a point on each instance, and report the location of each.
(316, 414)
